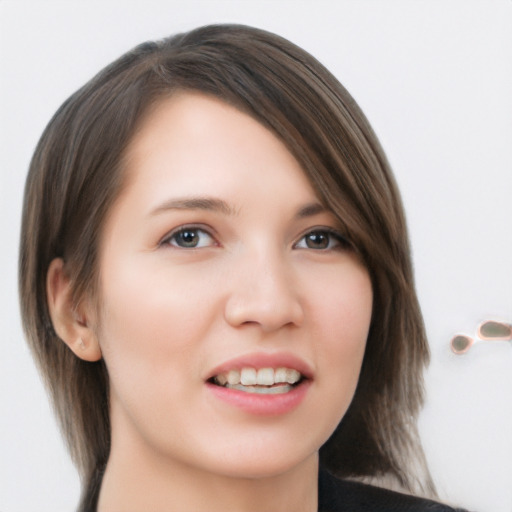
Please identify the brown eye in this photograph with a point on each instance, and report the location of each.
(317, 240)
(321, 239)
(190, 238)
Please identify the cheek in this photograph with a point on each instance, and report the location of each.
(342, 308)
(151, 324)
(343, 318)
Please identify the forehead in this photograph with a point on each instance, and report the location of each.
(195, 140)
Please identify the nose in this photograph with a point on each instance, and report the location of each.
(264, 292)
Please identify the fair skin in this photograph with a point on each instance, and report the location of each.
(218, 256)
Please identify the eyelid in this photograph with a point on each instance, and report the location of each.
(165, 240)
(344, 242)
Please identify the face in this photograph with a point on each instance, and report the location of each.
(234, 312)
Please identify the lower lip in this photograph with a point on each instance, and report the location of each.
(257, 403)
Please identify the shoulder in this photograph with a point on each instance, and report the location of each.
(336, 495)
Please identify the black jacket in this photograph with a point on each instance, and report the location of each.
(336, 495)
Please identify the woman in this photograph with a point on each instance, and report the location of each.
(216, 284)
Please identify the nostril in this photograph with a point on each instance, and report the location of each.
(267, 314)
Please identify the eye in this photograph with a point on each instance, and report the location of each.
(189, 238)
(322, 239)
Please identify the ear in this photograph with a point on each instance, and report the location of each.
(71, 324)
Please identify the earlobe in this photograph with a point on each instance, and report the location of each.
(71, 324)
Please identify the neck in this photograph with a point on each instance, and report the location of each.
(134, 481)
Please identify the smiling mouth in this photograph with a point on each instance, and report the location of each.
(269, 381)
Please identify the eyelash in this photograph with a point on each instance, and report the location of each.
(340, 241)
(184, 229)
(333, 237)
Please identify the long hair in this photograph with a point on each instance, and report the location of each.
(76, 174)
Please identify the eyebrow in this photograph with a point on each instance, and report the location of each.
(310, 210)
(195, 203)
(219, 205)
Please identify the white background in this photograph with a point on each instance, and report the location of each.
(435, 79)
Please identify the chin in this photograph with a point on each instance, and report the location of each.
(261, 469)
(261, 460)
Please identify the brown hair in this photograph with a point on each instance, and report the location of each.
(76, 174)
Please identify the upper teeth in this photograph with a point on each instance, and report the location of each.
(262, 377)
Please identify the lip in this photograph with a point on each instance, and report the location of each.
(261, 404)
(264, 360)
